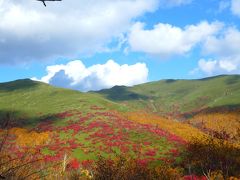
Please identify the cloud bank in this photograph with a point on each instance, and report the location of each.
(75, 75)
(29, 31)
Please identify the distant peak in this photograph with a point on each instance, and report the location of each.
(18, 84)
(118, 86)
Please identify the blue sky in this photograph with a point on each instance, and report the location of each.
(90, 45)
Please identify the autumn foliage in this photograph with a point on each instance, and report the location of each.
(218, 121)
(25, 137)
(125, 168)
(180, 129)
(138, 145)
(213, 156)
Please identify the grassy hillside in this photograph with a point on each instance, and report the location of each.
(28, 99)
(56, 124)
(82, 125)
(179, 95)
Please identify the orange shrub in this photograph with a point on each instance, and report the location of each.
(228, 121)
(32, 138)
(183, 130)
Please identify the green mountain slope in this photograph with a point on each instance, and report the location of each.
(82, 125)
(179, 95)
(32, 100)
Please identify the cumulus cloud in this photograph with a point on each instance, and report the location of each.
(224, 44)
(224, 47)
(166, 40)
(207, 66)
(29, 31)
(220, 66)
(75, 75)
(235, 7)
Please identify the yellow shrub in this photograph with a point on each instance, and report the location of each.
(183, 130)
(228, 121)
(32, 138)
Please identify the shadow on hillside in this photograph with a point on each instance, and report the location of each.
(229, 78)
(21, 119)
(233, 80)
(219, 109)
(121, 93)
(18, 85)
(170, 81)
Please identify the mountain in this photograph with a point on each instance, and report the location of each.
(117, 120)
(181, 96)
(29, 98)
(83, 125)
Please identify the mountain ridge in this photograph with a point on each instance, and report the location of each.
(163, 96)
(179, 95)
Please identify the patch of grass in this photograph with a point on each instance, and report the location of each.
(65, 135)
(46, 151)
(81, 155)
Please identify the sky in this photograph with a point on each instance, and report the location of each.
(96, 44)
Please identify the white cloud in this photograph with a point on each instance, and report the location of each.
(29, 31)
(207, 66)
(229, 65)
(166, 40)
(224, 52)
(75, 75)
(224, 47)
(225, 44)
(235, 7)
(220, 66)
